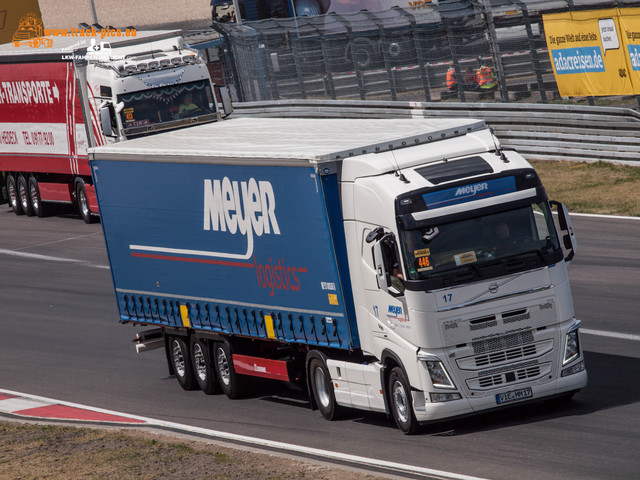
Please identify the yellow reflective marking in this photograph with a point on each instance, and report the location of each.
(184, 313)
(268, 322)
(333, 299)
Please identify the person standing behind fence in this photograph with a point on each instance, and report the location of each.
(452, 81)
(485, 78)
(469, 79)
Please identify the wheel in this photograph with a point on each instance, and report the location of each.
(181, 363)
(23, 196)
(203, 368)
(12, 192)
(400, 402)
(34, 197)
(229, 380)
(322, 389)
(83, 203)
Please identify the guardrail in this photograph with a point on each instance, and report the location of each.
(537, 131)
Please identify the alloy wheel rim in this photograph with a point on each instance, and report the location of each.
(178, 359)
(400, 401)
(223, 367)
(34, 197)
(321, 387)
(200, 364)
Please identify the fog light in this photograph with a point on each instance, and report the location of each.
(577, 368)
(444, 397)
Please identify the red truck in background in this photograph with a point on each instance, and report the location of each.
(77, 91)
(43, 144)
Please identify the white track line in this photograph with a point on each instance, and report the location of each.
(60, 241)
(36, 256)
(595, 215)
(260, 442)
(604, 333)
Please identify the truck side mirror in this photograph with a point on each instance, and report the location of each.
(384, 252)
(107, 119)
(374, 234)
(569, 239)
(225, 96)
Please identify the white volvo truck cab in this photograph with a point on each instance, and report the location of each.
(460, 282)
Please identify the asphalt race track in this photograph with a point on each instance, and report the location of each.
(60, 338)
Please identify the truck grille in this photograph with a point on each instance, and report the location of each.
(505, 356)
(492, 381)
(485, 382)
(512, 354)
(497, 349)
(502, 343)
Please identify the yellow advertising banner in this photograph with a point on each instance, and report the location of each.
(589, 51)
(630, 31)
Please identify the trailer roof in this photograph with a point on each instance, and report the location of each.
(284, 141)
(69, 42)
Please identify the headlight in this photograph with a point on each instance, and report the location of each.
(439, 376)
(571, 347)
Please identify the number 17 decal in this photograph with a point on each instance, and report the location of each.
(447, 297)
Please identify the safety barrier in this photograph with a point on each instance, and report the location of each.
(537, 131)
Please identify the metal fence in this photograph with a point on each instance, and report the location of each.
(397, 54)
(538, 132)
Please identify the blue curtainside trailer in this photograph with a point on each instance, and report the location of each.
(240, 250)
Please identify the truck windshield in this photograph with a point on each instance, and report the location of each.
(481, 247)
(166, 107)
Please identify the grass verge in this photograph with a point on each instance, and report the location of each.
(600, 187)
(34, 452)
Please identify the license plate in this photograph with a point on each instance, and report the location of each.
(514, 395)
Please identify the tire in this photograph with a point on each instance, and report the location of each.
(400, 402)
(203, 367)
(230, 382)
(181, 363)
(23, 196)
(83, 203)
(12, 193)
(34, 197)
(322, 389)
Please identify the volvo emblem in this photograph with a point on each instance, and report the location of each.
(493, 288)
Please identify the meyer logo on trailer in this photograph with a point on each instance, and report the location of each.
(246, 208)
(235, 211)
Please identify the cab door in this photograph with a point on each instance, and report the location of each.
(383, 279)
